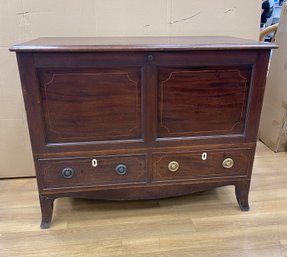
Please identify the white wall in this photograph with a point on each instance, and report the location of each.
(22, 20)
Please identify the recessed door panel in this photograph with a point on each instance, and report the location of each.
(205, 102)
(91, 105)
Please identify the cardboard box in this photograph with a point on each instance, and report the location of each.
(273, 124)
(23, 20)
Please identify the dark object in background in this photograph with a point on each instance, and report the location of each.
(267, 12)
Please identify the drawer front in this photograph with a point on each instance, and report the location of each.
(205, 164)
(98, 170)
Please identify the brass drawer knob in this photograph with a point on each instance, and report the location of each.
(173, 166)
(228, 163)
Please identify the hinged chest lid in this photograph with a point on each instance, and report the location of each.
(100, 44)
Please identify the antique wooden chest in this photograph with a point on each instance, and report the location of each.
(141, 118)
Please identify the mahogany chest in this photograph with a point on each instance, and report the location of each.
(141, 118)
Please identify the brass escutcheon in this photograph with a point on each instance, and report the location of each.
(228, 163)
(173, 166)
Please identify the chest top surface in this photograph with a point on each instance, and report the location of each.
(95, 44)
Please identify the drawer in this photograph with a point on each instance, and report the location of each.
(92, 171)
(204, 164)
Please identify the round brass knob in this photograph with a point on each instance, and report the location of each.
(173, 166)
(228, 163)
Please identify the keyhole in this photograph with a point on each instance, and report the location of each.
(94, 163)
(204, 156)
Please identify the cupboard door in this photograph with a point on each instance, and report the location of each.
(202, 102)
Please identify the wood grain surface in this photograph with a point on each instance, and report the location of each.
(78, 105)
(202, 101)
